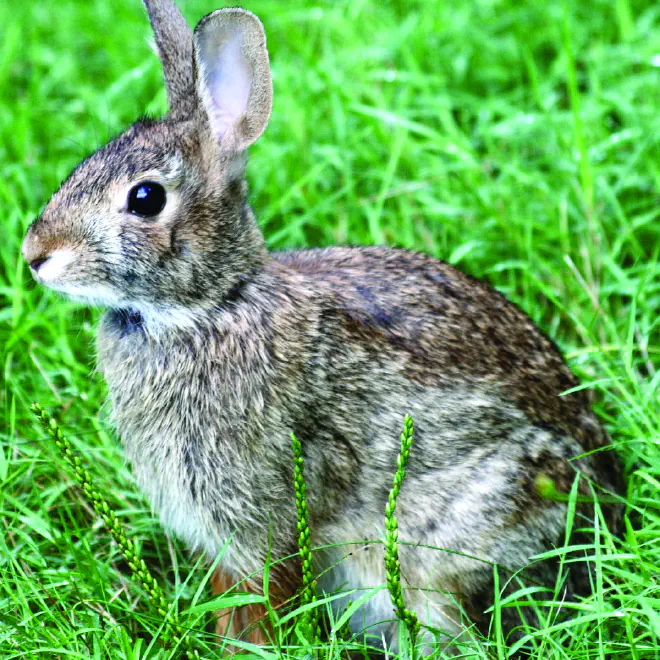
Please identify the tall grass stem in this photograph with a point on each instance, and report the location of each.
(173, 634)
(392, 563)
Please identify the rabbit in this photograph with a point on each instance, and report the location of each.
(214, 350)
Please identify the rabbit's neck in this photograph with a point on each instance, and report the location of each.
(126, 321)
(157, 319)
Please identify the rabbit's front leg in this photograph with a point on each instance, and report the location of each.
(250, 622)
(245, 623)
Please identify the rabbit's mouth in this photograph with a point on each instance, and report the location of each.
(65, 270)
(53, 262)
(51, 267)
(57, 272)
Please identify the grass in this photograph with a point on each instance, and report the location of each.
(518, 141)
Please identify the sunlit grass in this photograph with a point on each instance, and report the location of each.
(518, 141)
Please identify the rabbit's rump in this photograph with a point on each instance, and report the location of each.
(468, 501)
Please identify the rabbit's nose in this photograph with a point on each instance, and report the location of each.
(34, 252)
(35, 264)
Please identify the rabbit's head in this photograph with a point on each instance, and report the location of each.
(157, 220)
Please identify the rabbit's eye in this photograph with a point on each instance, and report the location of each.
(146, 199)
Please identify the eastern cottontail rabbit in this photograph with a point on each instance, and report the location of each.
(215, 350)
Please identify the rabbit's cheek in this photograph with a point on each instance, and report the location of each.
(158, 235)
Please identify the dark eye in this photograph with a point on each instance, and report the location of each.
(146, 199)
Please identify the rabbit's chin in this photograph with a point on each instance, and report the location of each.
(94, 296)
(156, 317)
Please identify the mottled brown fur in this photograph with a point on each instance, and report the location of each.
(215, 350)
(175, 49)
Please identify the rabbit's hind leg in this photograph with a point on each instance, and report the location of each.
(359, 570)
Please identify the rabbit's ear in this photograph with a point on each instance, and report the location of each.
(174, 40)
(233, 76)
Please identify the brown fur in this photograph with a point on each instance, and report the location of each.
(251, 622)
(215, 350)
(244, 623)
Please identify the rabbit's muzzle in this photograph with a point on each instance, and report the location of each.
(48, 259)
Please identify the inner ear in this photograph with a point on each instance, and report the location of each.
(233, 76)
(228, 78)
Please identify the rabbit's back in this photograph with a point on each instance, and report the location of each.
(392, 331)
(447, 327)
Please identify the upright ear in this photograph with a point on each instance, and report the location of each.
(233, 76)
(175, 48)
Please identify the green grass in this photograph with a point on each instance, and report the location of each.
(517, 140)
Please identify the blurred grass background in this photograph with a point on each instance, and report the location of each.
(516, 140)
